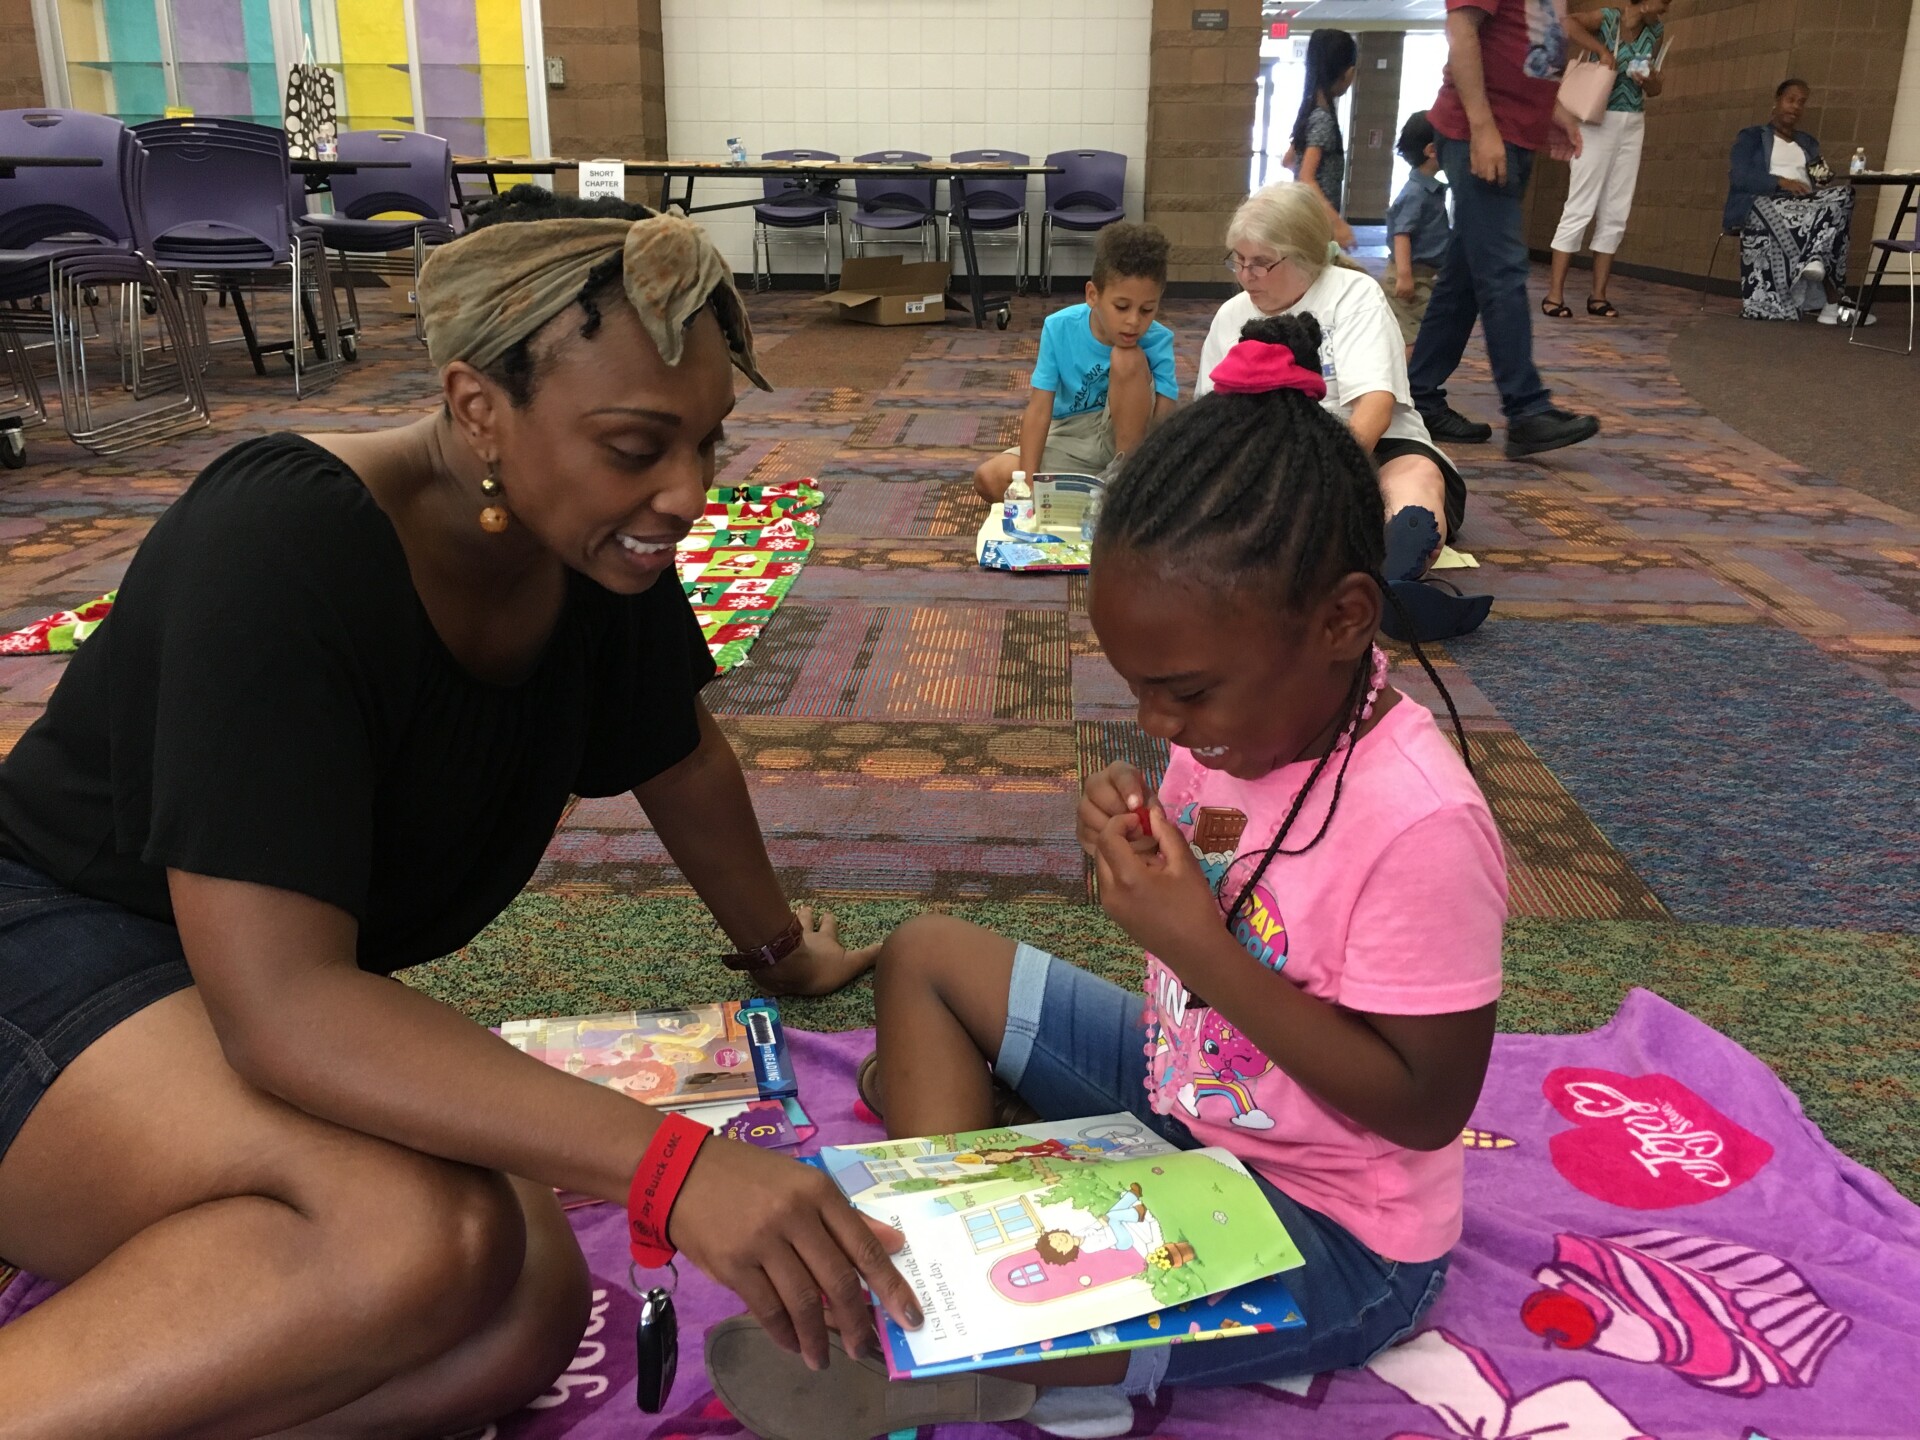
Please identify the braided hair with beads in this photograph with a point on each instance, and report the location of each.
(1265, 488)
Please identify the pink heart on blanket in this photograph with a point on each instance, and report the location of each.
(1647, 1142)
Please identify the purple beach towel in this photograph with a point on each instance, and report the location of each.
(1658, 1244)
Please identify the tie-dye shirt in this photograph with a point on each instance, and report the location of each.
(1397, 911)
(1523, 52)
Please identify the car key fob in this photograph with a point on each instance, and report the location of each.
(656, 1338)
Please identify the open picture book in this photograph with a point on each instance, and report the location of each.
(1048, 530)
(1067, 1238)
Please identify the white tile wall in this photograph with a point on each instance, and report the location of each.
(852, 76)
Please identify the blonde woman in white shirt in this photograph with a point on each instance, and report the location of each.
(1281, 250)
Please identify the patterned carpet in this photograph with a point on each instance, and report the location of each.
(1695, 708)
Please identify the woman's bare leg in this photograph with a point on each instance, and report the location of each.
(1602, 273)
(1415, 480)
(236, 1267)
(1557, 280)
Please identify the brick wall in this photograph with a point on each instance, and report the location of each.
(19, 60)
(1726, 58)
(614, 101)
(1375, 125)
(1199, 130)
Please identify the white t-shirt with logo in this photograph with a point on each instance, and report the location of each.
(1361, 349)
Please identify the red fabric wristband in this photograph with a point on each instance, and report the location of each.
(656, 1185)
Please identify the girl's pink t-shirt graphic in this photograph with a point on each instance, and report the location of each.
(1397, 911)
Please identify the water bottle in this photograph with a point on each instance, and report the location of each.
(1858, 165)
(736, 152)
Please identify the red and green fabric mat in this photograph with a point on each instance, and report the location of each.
(736, 565)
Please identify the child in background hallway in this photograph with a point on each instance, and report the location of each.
(1105, 370)
(1318, 155)
(1313, 835)
(1417, 227)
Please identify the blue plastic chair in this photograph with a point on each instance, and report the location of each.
(894, 204)
(219, 207)
(423, 190)
(72, 236)
(1089, 195)
(995, 206)
(791, 209)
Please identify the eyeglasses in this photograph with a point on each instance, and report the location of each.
(1252, 269)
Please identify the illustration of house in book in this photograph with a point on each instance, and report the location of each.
(1050, 1250)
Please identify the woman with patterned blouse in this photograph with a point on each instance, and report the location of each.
(1627, 38)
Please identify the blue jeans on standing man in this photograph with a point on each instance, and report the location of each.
(1484, 276)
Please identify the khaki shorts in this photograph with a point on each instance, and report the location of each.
(1411, 312)
(1077, 445)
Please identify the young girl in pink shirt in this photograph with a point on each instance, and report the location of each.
(1320, 897)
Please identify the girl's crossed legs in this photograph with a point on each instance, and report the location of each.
(953, 998)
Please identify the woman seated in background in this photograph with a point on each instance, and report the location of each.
(1282, 251)
(1793, 232)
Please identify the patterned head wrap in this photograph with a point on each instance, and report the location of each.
(486, 292)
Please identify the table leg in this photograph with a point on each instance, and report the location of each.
(975, 292)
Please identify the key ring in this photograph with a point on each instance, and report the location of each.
(633, 1280)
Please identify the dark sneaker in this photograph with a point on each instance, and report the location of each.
(1548, 430)
(1447, 423)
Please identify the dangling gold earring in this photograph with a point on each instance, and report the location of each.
(493, 519)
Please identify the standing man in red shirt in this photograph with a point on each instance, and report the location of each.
(1497, 104)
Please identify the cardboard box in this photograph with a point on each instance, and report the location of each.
(885, 290)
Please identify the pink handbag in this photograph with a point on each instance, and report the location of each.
(1586, 88)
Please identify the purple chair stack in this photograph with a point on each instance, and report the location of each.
(218, 206)
(73, 236)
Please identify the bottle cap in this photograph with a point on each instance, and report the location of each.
(1019, 475)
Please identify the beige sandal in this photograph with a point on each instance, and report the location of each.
(1009, 1110)
(777, 1397)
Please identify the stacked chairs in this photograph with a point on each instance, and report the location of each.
(68, 238)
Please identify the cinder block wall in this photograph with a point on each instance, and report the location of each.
(1199, 130)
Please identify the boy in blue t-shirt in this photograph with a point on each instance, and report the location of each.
(1417, 227)
(1105, 371)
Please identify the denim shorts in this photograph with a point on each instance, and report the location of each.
(70, 970)
(1073, 1047)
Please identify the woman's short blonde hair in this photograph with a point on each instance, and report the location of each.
(1291, 221)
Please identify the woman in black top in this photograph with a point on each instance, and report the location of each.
(327, 731)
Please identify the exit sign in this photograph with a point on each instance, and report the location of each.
(1278, 31)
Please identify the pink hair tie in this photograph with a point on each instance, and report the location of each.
(1253, 367)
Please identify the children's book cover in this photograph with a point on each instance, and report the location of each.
(1260, 1308)
(1048, 529)
(1008, 1262)
(1030, 1155)
(673, 1059)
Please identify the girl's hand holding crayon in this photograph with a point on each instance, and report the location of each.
(1161, 898)
(1115, 791)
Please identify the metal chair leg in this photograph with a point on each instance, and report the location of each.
(1859, 313)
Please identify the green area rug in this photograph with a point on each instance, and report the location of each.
(1813, 1004)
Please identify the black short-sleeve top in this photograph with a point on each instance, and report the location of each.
(268, 701)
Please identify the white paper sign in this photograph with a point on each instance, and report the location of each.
(603, 178)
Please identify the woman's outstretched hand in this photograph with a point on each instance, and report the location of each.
(821, 965)
(781, 1237)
